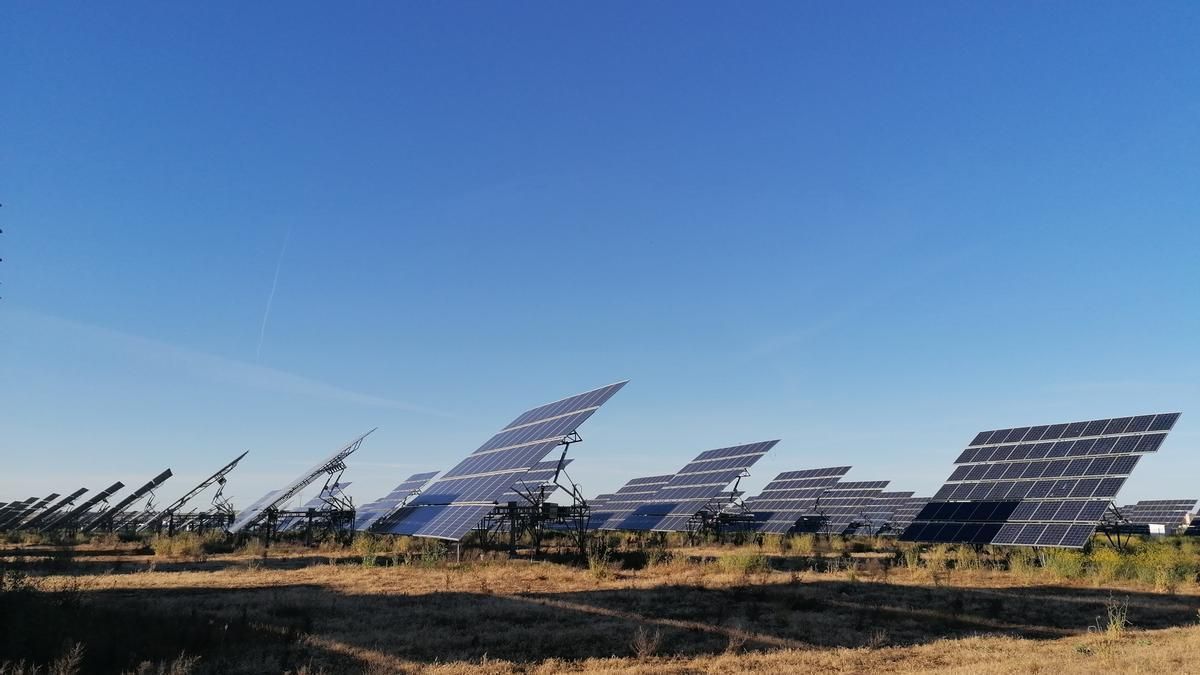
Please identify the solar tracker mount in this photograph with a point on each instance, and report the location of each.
(170, 518)
(467, 498)
(263, 514)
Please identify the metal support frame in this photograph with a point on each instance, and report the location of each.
(1113, 525)
(334, 521)
(532, 515)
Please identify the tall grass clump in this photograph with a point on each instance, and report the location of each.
(368, 547)
(937, 558)
(1064, 563)
(802, 544)
(183, 545)
(967, 558)
(743, 563)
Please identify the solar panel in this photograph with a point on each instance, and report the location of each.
(335, 463)
(843, 508)
(790, 496)
(621, 504)
(106, 517)
(454, 504)
(692, 490)
(1171, 513)
(538, 482)
(328, 494)
(18, 511)
(74, 515)
(151, 519)
(37, 519)
(881, 511)
(904, 514)
(366, 515)
(1047, 485)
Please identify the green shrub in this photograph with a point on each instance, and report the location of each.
(1164, 566)
(1063, 563)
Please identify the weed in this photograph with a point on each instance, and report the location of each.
(1113, 625)
(645, 643)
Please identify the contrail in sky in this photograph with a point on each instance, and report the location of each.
(262, 329)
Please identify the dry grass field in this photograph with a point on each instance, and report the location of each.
(803, 606)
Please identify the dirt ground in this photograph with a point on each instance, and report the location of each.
(123, 609)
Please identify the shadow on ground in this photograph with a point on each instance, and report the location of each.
(289, 627)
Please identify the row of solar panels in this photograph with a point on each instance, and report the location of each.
(135, 512)
(1042, 486)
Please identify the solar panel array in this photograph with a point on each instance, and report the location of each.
(149, 520)
(455, 504)
(695, 487)
(272, 500)
(119, 508)
(881, 511)
(73, 516)
(905, 513)
(366, 515)
(328, 493)
(844, 506)
(1169, 512)
(622, 503)
(16, 512)
(791, 495)
(35, 520)
(1038, 486)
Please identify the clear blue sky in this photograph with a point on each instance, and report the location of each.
(870, 230)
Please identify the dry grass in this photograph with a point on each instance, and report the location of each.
(712, 608)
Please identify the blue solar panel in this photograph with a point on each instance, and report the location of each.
(490, 472)
(691, 490)
(1038, 486)
(367, 515)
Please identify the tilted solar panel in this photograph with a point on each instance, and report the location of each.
(454, 504)
(622, 503)
(366, 515)
(843, 508)
(904, 514)
(882, 510)
(329, 493)
(1170, 513)
(790, 496)
(35, 520)
(18, 512)
(274, 499)
(1046, 485)
(72, 517)
(693, 489)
